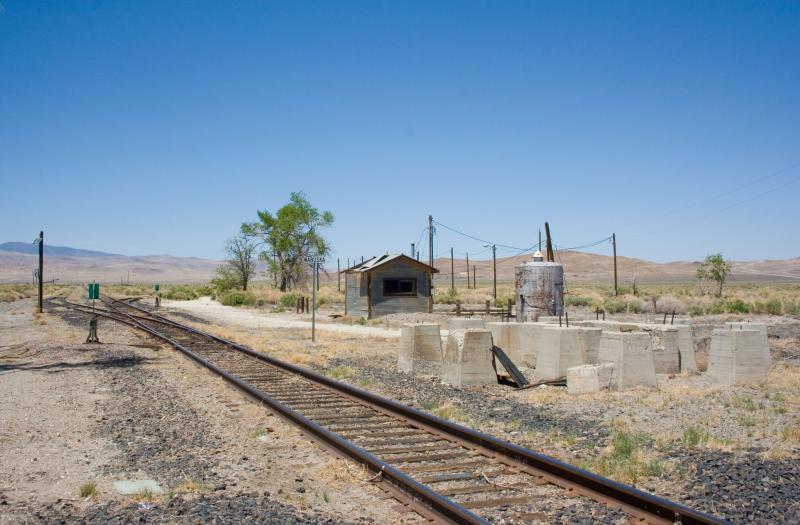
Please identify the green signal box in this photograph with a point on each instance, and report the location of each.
(94, 290)
(158, 287)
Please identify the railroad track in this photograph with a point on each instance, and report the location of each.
(445, 472)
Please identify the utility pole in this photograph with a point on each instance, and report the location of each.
(474, 278)
(614, 244)
(452, 273)
(430, 241)
(41, 270)
(467, 270)
(338, 275)
(550, 257)
(540, 240)
(494, 270)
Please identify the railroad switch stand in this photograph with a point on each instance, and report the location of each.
(93, 331)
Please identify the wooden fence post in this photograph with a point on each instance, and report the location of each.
(488, 303)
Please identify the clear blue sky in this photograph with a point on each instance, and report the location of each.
(158, 127)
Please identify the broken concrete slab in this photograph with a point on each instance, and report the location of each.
(631, 356)
(137, 486)
(419, 343)
(584, 379)
(468, 358)
(737, 357)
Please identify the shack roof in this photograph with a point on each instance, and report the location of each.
(376, 262)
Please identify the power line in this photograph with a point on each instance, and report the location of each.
(478, 238)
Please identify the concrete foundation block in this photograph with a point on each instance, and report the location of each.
(590, 343)
(609, 325)
(560, 349)
(736, 357)
(686, 348)
(631, 357)
(589, 378)
(468, 358)
(664, 345)
(464, 323)
(506, 337)
(530, 340)
(549, 319)
(761, 328)
(419, 343)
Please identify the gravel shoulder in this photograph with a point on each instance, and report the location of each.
(75, 413)
(216, 313)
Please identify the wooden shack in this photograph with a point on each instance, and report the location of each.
(388, 284)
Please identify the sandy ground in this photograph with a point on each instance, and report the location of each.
(74, 413)
(219, 314)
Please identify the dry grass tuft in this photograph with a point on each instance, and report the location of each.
(88, 490)
(193, 486)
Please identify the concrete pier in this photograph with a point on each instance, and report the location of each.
(686, 348)
(737, 357)
(419, 343)
(560, 349)
(468, 358)
(530, 341)
(506, 337)
(631, 356)
(760, 328)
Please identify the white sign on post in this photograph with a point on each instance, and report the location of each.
(314, 261)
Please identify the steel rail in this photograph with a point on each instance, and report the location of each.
(444, 509)
(634, 501)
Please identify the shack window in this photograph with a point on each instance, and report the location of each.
(399, 287)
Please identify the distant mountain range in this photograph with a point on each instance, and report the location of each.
(31, 248)
(73, 265)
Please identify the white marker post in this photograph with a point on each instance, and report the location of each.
(314, 261)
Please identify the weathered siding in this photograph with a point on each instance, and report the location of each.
(356, 295)
(390, 305)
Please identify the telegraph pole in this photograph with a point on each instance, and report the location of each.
(494, 270)
(614, 244)
(338, 275)
(550, 255)
(430, 241)
(467, 270)
(41, 269)
(452, 273)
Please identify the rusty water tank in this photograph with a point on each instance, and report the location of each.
(539, 289)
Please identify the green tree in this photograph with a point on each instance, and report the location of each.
(289, 235)
(715, 268)
(240, 265)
